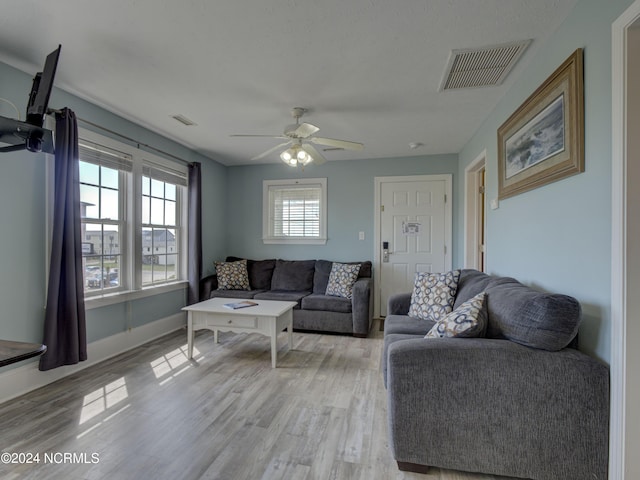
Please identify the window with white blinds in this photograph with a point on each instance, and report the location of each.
(295, 211)
(133, 218)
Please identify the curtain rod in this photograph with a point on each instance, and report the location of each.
(139, 144)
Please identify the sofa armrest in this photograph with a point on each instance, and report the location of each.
(509, 408)
(207, 285)
(398, 304)
(362, 306)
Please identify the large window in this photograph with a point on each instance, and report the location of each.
(294, 211)
(102, 187)
(161, 245)
(132, 216)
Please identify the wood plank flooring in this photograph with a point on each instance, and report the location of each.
(152, 414)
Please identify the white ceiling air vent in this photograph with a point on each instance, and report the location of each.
(481, 67)
(184, 120)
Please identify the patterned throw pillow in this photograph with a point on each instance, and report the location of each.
(433, 294)
(232, 275)
(466, 321)
(341, 279)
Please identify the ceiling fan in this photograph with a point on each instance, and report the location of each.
(299, 136)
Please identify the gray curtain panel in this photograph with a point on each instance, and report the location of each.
(194, 249)
(64, 324)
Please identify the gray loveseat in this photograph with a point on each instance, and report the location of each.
(305, 282)
(522, 402)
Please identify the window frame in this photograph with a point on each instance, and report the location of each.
(131, 286)
(122, 223)
(179, 227)
(268, 237)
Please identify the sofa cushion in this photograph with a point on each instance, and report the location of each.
(321, 276)
(293, 275)
(326, 303)
(260, 272)
(283, 295)
(235, 293)
(232, 275)
(405, 325)
(365, 269)
(467, 321)
(540, 320)
(341, 279)
(433, 294)
(471, 283)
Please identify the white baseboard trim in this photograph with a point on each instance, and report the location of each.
(25, 378)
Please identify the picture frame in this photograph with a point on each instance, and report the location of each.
(543, 140)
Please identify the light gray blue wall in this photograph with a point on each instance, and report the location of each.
(557, 237)
(22, 216)
(350, 199)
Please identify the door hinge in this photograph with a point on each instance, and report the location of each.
(382, 208)
(481, 189)
(445, 249)
(445, 198)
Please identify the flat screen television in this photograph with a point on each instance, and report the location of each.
(41, 90)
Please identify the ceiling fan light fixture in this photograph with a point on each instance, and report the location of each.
(295, 156)
(289, 157)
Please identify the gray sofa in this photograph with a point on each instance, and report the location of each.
(521, 402)
(305, 282)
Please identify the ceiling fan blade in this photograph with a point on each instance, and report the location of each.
(318, 159)
(301, 131)
(332, 142)
(271, 150)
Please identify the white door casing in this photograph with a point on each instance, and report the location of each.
(624, 433)
(474, 220)
(414, 215)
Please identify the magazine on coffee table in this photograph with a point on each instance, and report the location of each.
(242, 304)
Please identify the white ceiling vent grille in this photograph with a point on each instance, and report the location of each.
(481, 67)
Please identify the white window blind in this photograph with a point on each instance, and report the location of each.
(107, 157)
(164, 173)
(295, 211)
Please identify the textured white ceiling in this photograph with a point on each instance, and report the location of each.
(367, 70)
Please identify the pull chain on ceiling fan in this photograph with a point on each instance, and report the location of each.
(299, 137)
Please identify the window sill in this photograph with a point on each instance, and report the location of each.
(294, 241)
(126, 296)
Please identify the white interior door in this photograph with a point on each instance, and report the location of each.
(414, 231)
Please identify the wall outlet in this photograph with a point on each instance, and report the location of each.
(494, 204)
(361, 236)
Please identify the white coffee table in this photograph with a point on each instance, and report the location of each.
(269, 318)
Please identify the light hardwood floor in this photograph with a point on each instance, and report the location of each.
(151, 414)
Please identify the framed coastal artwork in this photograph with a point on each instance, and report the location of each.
(543, 140)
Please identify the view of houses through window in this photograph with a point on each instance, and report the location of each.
(159, 243)
(100, 194)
